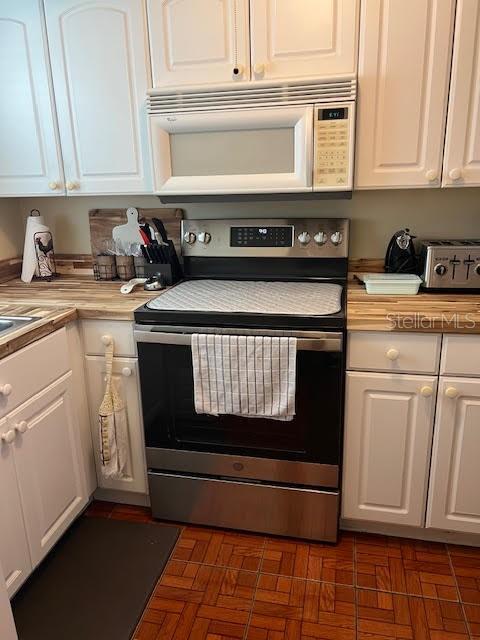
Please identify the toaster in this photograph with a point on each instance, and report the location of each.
(450, 264)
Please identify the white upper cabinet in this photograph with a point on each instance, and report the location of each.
(404, 73)
(462, 144)
(195, 42)
(30, 160)
(388, 435)
(454, 496)
(99, 59)
(303, 38)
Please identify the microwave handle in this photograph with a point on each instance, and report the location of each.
(328, 342)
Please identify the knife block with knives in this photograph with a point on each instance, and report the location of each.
(158, 236)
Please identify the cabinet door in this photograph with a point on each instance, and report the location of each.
(48, 463)
(14, 553)
(100, 73)
(388, 434)
(30, 160)
(462, 143)
(404, 72)
(195, 42)
(454, 497)
(303, 38)
(125, 374)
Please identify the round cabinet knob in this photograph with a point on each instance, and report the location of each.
(71, 185)
(22, 426)
(189, 237)
(426, 391)
(304, 237)
(455, 174)
(320, 238)
(204, 237)
(238, 71)
(8, 437)
(440, 269)
(451, 392)
(106, 340)
(336, 238)
(53, 185)
(431, 175)
(6, 389)
(392, 354)
(259, 68)
(126, 372)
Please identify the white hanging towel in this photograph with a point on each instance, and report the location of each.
(244, 375)
(113, 426)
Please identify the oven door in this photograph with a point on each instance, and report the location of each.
(305, 450)
(236, 151)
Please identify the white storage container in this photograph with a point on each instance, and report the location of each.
(391, 283)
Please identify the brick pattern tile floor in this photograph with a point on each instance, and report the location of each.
(224, 585)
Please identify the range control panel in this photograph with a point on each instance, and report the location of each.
(333, 146)
(279, 238)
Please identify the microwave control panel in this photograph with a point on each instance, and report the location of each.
(333, 146)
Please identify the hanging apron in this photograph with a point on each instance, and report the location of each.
(113, 426)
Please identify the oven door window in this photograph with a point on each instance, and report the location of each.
(237, 151)
(171, 421)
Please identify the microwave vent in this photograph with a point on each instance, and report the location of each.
(247, 96)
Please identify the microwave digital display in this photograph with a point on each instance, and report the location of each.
(261, 236)
(335, 113)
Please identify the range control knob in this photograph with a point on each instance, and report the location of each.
(189, 237)
(336, 238)
(320, 238)
(440, 269)
(204, 237)
(304, 237)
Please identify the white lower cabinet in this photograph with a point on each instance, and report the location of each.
(454, 496)
(47, 459)
(14, 554)
(388, 434)
(125, 376)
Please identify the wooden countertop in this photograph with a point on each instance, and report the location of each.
(90, 298)
(425, 312)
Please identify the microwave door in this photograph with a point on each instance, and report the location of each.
(264, 150)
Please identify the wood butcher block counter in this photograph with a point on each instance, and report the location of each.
(58, 302)
(428, 312)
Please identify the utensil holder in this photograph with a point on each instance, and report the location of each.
(105, 268)
(125, 267)
(140, 263)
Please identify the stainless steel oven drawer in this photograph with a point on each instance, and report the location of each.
(302, 513)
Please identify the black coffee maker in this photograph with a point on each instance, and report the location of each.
(400, 256)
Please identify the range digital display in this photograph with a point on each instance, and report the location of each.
(261, 236)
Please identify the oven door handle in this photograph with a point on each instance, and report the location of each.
(328, 342)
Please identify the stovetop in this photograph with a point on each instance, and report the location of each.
(227, 303)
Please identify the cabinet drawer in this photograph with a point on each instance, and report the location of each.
(394, 352)
(33, 368)
(460, 356)
(120, 331)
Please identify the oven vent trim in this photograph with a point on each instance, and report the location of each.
(245, 96)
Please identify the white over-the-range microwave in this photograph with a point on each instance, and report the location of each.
(273, 139)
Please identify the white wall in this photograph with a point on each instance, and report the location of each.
(375, 215)
(11, 228)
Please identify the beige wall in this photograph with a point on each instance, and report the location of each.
(375, 215)
(11, 228)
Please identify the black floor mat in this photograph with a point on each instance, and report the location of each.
(96, 582)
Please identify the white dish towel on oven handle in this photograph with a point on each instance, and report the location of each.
(112, 425)
(252, 376)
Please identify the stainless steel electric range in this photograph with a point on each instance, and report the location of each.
(249, 277)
